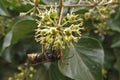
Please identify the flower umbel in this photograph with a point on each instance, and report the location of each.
(26, 72)
(49, 31)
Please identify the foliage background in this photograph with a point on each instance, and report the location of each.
(17, 39)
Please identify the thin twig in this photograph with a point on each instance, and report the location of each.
(79, 2)
(61, 11)
(77, 5)
(87, 5)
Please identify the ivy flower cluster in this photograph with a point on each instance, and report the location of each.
(25, 73)
(4, 25)
(49, 31)
(100, 13)
(100, 10)
(59, 31)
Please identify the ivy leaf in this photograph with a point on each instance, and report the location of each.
(87, 62)
(116, 41)
(49, 72)
(114, 21)
(117, 63)
(114, 25)
(109, 58)
(116, 44)
(7, 40)
(22, 28)
(3, 10)
(19, 31)
(54, 73)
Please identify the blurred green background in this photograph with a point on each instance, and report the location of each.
(17, 39)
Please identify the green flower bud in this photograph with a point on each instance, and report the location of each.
(31, 69)
(32, 14)
(71, 38)
(30, 75)
(58, 43)
(21, 74)
(103, 10)
(74, 27)
(71, 17)
(45, 17)
(68, 16)
(87, 15)
(53, 31)
(10, 78)
(48, 23)
(22, 14)
(36, 2)
(19, 68)
(53, 13)
(44, 32)
(67, 32)
(43, 40)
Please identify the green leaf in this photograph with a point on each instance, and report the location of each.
(116, 44)
(7, 55)
(114, 25)
(19, 31)
(7, 40)
(116, 41)
(24, 47)
(3, 10)
(54, 73)
(109, 58)
(117, 63)
(49, 72)
(114, 21)
(87, 62)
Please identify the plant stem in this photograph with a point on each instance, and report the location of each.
(77, 5)
(61, 11)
